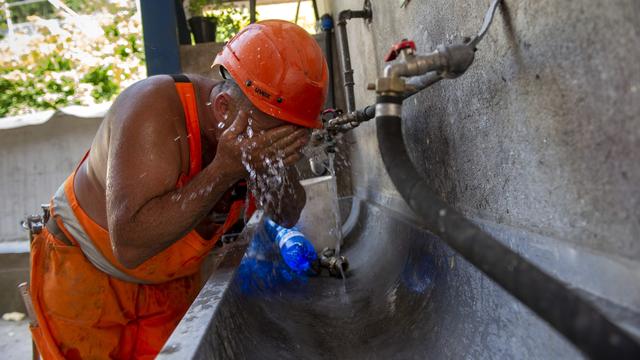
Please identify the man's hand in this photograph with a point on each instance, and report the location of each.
(240, 149)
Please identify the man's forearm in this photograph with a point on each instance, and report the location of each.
(164, 219)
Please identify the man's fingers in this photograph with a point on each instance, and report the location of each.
(299, 137)
(294, 147)
(239, 123)
(292, 159)
(273, 135)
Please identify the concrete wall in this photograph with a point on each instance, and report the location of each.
(538, 143)
(34, 161)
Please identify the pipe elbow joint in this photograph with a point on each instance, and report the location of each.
(343, 16)
(349, 14)
(458, 58)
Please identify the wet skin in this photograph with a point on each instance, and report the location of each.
(128, 182)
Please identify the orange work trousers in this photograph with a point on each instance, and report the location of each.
(84, 313)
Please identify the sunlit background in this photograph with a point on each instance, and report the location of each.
(55, 54)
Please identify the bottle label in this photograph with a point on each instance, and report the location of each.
(288, 234)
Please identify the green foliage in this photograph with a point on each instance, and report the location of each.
(196, 7)
(30, 93)
(229, 21)
(104, 88)
(51, 69)
(20, 13)
(90, 6)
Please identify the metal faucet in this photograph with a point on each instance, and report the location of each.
(411, 74)
(446, 62)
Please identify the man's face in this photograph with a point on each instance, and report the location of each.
(260, 121)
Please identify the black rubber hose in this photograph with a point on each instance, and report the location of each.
(579, 321)
(368, 113)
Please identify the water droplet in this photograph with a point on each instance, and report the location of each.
(221, 125)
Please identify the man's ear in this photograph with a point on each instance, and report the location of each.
(222, 107)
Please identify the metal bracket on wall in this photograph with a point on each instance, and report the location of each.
(367, 9)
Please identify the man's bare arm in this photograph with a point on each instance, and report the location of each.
(146, 213)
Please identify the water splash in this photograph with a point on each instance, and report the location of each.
(250, 128)
(337, 228)
(268, 184)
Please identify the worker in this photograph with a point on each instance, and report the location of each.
(118, 263)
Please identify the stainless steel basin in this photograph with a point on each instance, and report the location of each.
(407, 296)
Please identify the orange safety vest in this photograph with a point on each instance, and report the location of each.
(86, 313)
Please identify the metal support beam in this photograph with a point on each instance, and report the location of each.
(160, 34)
(252, 11)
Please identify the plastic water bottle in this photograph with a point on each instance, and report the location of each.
(297, 252)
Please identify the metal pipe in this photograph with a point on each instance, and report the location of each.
(315, 9)
(297, 11)
(252, 11)
(419, 83)
(347, 71)
(326, 23)
(347, 79)
(343, 43)
(414, 65)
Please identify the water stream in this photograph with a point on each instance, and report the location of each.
(337, 228)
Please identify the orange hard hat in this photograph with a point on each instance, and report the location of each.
(280, 68)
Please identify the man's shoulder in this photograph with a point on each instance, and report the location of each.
(149, 89)
(149, 115)
(147, 101)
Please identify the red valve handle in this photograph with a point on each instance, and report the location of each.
(395, 50)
